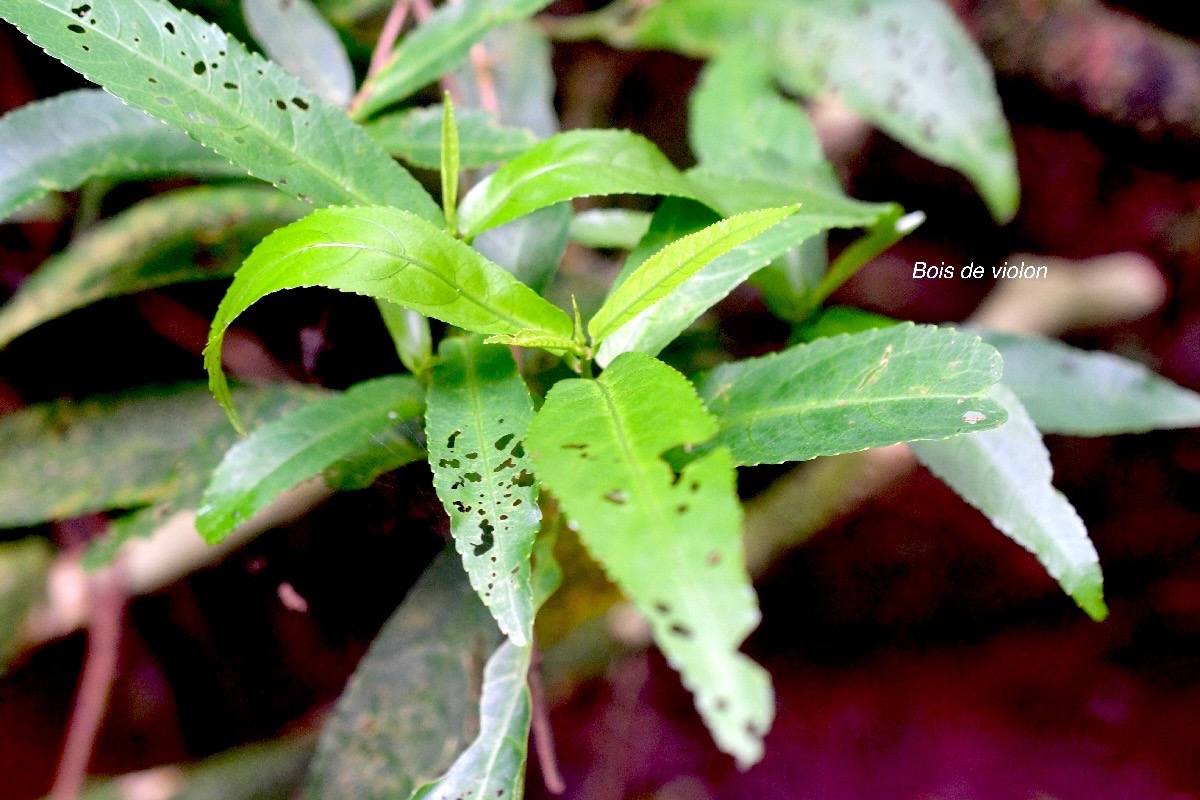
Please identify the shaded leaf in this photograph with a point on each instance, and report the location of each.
(24, 565)
(849, 393)
(412, 704)
(192, 75)
(186, 235)
(415, 136)
(574, 164)
(390, 255)
(530, 247)
(60, 143)
(304, 443)
(672, 543)
(437, 47)
(668, 268)
(295, 35)
(1080, 393)
(410, 334)
(522, 78)
(64, 459)
(478, 416)
(618, 228)
(1006, 474)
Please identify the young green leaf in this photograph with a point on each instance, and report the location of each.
(195, 77)
(24, 565)
(149, 443)
(450, 163)
(415, 135)
(60, 143)
(295, 35)
(478, 416)
(410, 334)
(437, 47)
(187, 235)
(412, 705)
(1107, 394)
(671, 542)
(618, 228)
(677, 262)
(849, 393)
(573, 164)
(387, 254)
(1006, 474)
(295, 447)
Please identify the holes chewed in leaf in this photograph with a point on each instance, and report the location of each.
(199, 68)
(300, 103)
(73, 28)
(616, 497)
(680, 630)
(486, 543)
(170, 27)
(453, 437)
(81, 11)
(503, 441)
(524, 479)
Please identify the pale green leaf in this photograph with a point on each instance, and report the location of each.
(618, 228)
(532, 339)
(24, 565)
(1006, 474)
(451, 163)
(412, 705)
(304, 443)
(478, 415)
(60, 143)
(390, 255)
(671, 542)
(295, 35)
(410, 334)
(574, 164)
(439, 45)
(530, 247)
(849, 393)
(186, 235)
(522, 77)
(736, 194)
(1080, 393)
(415, 136)
(678, 261)
(192, 75)
(64, 459)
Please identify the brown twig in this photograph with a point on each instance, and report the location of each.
(383, 50)
(95, 685)
(543, 733)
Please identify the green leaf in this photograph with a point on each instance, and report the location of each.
(61, 143)
(1006, 474)
(1080, 393)
(478, 416)
(193, 76)
(614, 228)
(63, 459)
(677, 262)
(186, 235)
(412, 704)
(415, 136)
(672, 543)
(451, 162)
(437, 47)
(849, 393)
(411, 336)
(736, 194)
(657, 326)
(909, 67)
(295, 35)
(390, 255)
(574, 164)
(304, 443)
(24, 565)
(522, 78)
(533, 339)
(530, 247)
(835, 320)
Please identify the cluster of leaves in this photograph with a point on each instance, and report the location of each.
(640, 461)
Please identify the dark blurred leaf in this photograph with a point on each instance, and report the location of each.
(23, 568)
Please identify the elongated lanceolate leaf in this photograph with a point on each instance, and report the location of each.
(437, 47)
(671, 542)
(677, 262)
(852, 392)
(60, 143)
(1006, 474)
(477, 419)
(568, 165)
(390, 255)
(413, 703)
(192, 75)
(294, 448)
(1080, 393)
(295, 35)
(187, 235)
(415, 136)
